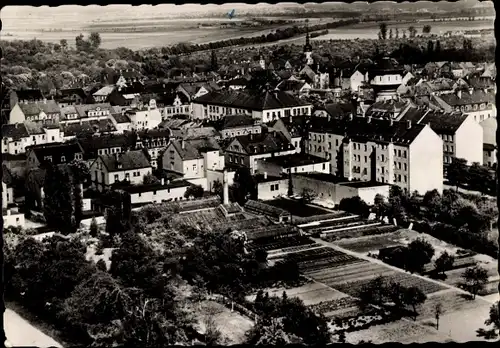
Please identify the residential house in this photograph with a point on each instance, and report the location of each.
(264, 106)
(17, 137)
(293, 128)
(489, 141)
(271, 187)
(462, 136)
(195, 90)
(154, 141)
(70, 96)
(95, 145)
(121, 122)
(85, 112)
(55, 153)
(25, 96)
(128, 96)
(101, 95)
(236, 125)
(113, 168)
(294, 86)
(193, 158)
(46, 111)
(174, 104)
(366, 149)
(336, 110)
(87, 128)
(146, 117)
(478, 103)
(246, 150)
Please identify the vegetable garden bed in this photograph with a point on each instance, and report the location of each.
(359, 232)
(293, 241)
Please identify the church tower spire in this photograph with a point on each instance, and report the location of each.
(308, 47)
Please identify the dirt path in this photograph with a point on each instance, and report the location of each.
(364, 257)
(20, 333)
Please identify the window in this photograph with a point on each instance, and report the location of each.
(324, 166)
(405, 178)
(116, 177)
(382, 157)
(127, 176)
(63, 159)
(405, 166)
(366, 159)
(399, 165)
(154, 192)
(336, 142)
(329, 145)
(53, 138)
(404, 153)
(399, 153)
(140, 194)
(194, 167)
(382, 169)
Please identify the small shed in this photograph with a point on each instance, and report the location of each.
(274, 213)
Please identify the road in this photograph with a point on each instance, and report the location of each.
(20, 333)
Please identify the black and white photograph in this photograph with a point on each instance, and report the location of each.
(261, 174)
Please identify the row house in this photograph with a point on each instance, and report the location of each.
(85, 112)
(130, 167)
(17, 137)
(37, 156)
(193, 158)
(264, 106)
(46, 111)
(246, 150)
(361, 148)
(462, 136)
(480, 104)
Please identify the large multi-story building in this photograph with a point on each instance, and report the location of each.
(385, 78)
(362, 148)
(478, 103)
(264, 106)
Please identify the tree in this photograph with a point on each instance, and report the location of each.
(391, 34)
(58, 204)
(355, 205)
(290, 184)
(217, 188)
(214, 65)
(430, 48)
(457, 172)
(94, 229)
(244, 186)
(412, 31)
(379, 204)
(426, 29)
(95, 40)
(307, 195)
(64, 44)
(418, 254)
(432, 200)
(438, 310)
(404, 34)
(383, 30)
(475, 278)
(494, 320)
(397, 33)
(414, 297)
(81, 44)
(150, 179)
(195, 191)
(444, 262)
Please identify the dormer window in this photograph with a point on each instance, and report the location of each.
(63, 159)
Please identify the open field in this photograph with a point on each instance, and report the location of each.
(297, 208)
(232, 325)
(401, 331)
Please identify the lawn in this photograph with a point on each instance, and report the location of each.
(297, 208)
(232, 325)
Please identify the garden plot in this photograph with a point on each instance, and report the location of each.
(338, 308)
(297, 208)
(311, 294)
(401, 331)
(359, 231)
(409, 280)
(371, 243)
(280, 244)
(360, 271)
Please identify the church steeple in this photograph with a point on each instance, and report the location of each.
(308, 47)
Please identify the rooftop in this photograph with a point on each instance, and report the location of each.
(264, 142)
(251, 100)
(193, 148)
(154, 187)
(125, 161)
(295, 160)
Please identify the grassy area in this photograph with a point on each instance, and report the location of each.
(296, 208)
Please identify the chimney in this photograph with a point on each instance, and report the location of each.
(265, 175)
(162, 181)
(183, 144)
(368, 119)
(408, 124)
(225, 188)
(8, 212)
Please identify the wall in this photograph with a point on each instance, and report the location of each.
(13, 219)
(264, 191)
(367, 194)
(158, 196)
(16, 115)
(4, 195)
(469, 141)
(426, 162)
(138, 179)
(325, 190)
(203, 182)
(481, 115)
(213, 176)
(489, 157)
(213, 160)
(193, 168)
